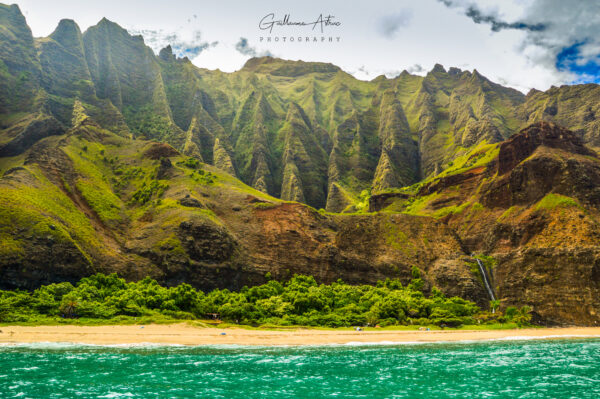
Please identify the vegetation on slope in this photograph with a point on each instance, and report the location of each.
(303, 131)
(552, 201)
(356, 135)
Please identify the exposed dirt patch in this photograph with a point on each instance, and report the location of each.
(160, 150)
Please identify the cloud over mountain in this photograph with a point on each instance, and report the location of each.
(244, 48)
(183, 44)
(560, 35)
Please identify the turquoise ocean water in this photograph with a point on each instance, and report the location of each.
(496, 369)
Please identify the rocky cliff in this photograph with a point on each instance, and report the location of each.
(531, 203)
(113, 158)
(91, 200)
(273, 117)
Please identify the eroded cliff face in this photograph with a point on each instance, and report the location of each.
(548, 252)
(534, 208)
(215, 232)
(92, 201)
(302, 131)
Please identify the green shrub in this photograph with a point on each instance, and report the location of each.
(154, 189)
(299, 301)
(191, 163)
(203, 177)
(552, 201)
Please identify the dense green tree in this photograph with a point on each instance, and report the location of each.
(299, 301)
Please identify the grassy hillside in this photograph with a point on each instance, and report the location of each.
(297, 130)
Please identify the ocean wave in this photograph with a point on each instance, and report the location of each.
(543, 337)
(71, 345)
(468, 341)
(151, 345)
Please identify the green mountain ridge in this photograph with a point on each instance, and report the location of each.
(292, 129)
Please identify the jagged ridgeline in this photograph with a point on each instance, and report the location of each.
(301, 131)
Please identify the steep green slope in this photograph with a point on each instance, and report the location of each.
(298, 130)
(532, 204)
(19, 65)
(577, 107)
(126, 72)
(93, 201)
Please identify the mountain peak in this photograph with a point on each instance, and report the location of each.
(279, 67)
(14, 8)
(454, 71)
(477, 75)
(379, 79)
(12, 18)
(108, 24)
(255, 61)
(67, 23)
(521, 145)
(166, 53)
(113, 29)
(67, 33)
(438, 68)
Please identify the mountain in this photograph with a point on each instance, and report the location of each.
(116, 159)
(531, 203)
(296, 130)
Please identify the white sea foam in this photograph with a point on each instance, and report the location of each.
(468, 341)
(542, 337)
(117, 395)
(150, 345)
(71, 345)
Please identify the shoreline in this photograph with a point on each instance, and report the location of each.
(185, 334)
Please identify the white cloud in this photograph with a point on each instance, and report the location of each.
(561, 36)
(223, 57)
(244, 48)
(390, 24)
(184, 44)
(434, 33)
(416, 69)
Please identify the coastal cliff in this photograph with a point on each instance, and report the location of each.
(115, 159)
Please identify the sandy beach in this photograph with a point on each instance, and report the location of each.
(185, 334)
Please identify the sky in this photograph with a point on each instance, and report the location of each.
(524, 44)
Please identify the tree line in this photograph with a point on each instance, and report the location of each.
(298, 301)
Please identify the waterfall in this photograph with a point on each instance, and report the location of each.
(486, 280)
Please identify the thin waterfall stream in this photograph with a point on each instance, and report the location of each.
(486, 280)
